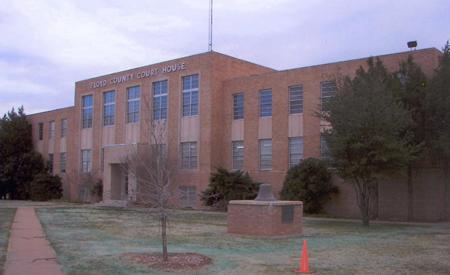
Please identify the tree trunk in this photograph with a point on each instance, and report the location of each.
(410, 194)
(446, 211)
(164, 236)
(363, 196)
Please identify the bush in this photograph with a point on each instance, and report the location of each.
(227, 185)
(45, 187)
(310, 182)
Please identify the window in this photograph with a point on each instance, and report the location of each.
(62, 162)
(41, 130)
(295, 151)
(265, 154)
(64, 127)
(189, 155)
(188, 196)
(238, 155)
(51, 129)
(50, 163)
(238, 106)
(324, 150)
(87, 102)
(109, 106)
(85, 161)
(133, 106)
(160, 100)
(327, 91)
(190, 95)
(265, 103)
(295, 99)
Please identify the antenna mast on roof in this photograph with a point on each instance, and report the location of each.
(210, 25)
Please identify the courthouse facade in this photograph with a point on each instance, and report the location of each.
(218, 111)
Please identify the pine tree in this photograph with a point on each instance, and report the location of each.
(18, 162)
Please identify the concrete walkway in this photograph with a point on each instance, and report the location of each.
(29, 252)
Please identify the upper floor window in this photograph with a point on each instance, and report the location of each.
(238, 154)
(64, 127)
(189, 155)
(51, 129)
(109, 107)
(190, 95)
(238, 106)
(265, 103)
(265, 154)
(295, 151)
(41, 130)
(87, 104)
(86, 161)
(160, 100)
(328, 90)
(295, 99)
(133, 106)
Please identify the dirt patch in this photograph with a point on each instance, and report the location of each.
(176, 262)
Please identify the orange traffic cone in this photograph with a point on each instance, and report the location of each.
(303, 261)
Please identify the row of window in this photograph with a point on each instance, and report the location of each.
(190, 97)
(189, 154)
(52, 129)
(327, 91)
(265, 153)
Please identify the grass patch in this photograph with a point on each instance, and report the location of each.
(90, 241)
(6, 219)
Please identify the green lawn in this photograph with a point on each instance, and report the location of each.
(6, 218)
(89, 241)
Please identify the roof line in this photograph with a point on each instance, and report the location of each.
(338, 62)
(53, 110)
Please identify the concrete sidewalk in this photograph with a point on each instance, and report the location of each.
(29, 252)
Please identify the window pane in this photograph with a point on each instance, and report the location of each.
(109, 100)
(189, 155)
(295, 99)
(62, 162)
(160, 100)
(133, 105)
(190, 95)
(238, 155)
(327, 91)
(265, 103)
(87, 102)
(295, 151)
(238, 106)
(265, 151)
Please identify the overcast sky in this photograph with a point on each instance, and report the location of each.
(46, 46)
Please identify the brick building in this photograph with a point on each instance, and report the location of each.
(219, 111)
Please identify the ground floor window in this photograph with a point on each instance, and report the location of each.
(50, 163)
(62, 162)
(188, 196)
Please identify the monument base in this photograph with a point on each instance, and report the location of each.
(265, 218)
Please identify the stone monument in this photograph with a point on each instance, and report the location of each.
(265, 216)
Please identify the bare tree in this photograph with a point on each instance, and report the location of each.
(149, 164)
